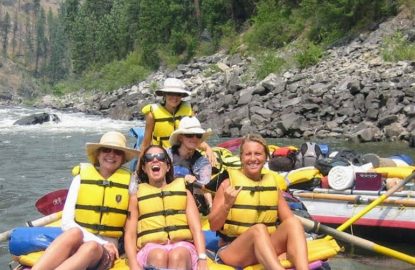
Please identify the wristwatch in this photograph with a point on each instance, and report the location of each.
(202, 256)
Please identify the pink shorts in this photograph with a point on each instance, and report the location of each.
(143, 253)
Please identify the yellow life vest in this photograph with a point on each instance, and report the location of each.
(165, 122)
(256, 203)
(102, 204)
(162, 213)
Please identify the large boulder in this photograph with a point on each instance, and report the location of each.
(37, 118)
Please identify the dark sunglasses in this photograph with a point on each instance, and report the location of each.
(109, 150)
(159, 156)
(199, 136)
(176, 94)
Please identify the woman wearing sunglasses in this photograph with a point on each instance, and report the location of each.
(95, 210)
(164, 225)
(245, 212)
(188, 162)
(163, 118)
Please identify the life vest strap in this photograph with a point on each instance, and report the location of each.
(102, 209)
(255, 207)
(159, 139)
(99, 227)
(169, 119)
(244, 224)
(168, 212)
(257, 188)
(163, 193)
(104, 183)
(165, 229)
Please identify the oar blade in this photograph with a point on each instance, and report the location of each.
(52, 202)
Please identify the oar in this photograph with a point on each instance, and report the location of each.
(52, 202)
(356, 199)
(357, 241)
(375, 203)
(4, 236)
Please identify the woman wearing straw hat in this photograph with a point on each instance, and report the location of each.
(188, 161)
(95, 210)
(163, 230)
(163, 118)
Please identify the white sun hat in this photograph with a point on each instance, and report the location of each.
(173, 85)
(189, 125)
(113, 140)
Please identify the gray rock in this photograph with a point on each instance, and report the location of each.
(37, 118)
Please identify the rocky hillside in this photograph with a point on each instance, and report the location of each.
(15, 64)
(353, 93)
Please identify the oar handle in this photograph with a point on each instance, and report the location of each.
(4, 236)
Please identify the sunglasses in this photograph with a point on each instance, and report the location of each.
(109, 150)
(176, 94)
(159, 156)
(199, 136)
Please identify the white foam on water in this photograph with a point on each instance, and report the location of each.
(70, 122)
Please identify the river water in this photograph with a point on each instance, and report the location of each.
(35, 160)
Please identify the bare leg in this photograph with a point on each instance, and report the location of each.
(158, 258)
(87, 255)
(61, 248)
(252, 247)
(180, 259)
(290, 238)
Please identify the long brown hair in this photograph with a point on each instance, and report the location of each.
(142, 175)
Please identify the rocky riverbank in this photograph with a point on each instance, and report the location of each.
(352, 93)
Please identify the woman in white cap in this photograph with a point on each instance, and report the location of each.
(95, 210)
(163, 118)
(163, 230)
(189, 162)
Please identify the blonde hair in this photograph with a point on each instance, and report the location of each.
(254, 138)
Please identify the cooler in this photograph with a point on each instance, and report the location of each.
(368, 181)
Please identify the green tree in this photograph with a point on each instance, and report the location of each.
(5, 33)
(15, 32)
(41, 40)
(128, 26)
(57, 67)
(29, 48)
(99, 8)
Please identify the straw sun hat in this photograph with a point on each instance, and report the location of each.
(173, 85)
(113, 140)
(189, 125)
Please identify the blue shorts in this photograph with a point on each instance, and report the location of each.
(217, 258)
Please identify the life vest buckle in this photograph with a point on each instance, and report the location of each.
(166, 193)
(263, 208)
(99, 227)
(170, 228)
(106, 183)
(104, 209)
(169, 212)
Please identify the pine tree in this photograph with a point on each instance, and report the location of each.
(5, 33)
